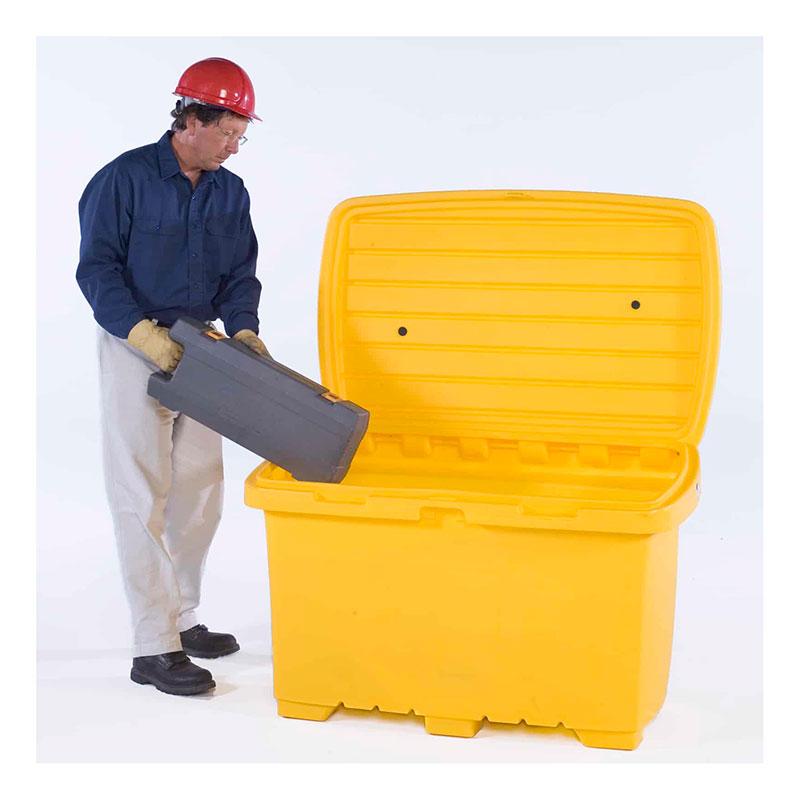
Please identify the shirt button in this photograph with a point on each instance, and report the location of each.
(194, 255)
(197, 286)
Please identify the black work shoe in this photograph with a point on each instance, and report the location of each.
(172, 673)
(200, 642)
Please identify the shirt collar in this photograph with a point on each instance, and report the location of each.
(168, 163)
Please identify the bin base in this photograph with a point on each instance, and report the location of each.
(612, 740)
(467, 728)
(287, 708)
(441, 726)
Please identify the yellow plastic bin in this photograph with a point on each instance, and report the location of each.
(538, 367)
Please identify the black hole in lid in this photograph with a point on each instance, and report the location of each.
(635, 304)
(402, 331)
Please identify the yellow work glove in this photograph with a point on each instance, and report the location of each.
(249, 338)
(156, 344)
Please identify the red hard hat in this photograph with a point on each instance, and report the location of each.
(219, 82)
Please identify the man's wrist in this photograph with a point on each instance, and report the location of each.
(241, 322)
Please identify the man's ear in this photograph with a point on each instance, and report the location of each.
(191, 124)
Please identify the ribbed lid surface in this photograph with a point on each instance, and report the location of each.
(557, 316)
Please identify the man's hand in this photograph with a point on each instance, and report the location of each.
(249, 338)
(156, 344)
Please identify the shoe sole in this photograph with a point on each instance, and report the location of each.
(204, 654)
(137, 677)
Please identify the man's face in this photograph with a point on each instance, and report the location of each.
(215, 142)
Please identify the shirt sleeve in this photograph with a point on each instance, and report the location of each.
(237, 299)
(105, 217)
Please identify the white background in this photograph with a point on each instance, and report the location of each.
(670, 117)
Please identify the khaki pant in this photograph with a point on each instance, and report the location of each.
(164, 481)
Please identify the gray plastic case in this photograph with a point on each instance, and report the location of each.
(260, 404)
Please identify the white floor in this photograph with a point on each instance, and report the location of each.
(89, 711)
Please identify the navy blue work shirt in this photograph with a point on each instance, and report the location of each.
(154, 248)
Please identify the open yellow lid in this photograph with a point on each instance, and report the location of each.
(523, 315)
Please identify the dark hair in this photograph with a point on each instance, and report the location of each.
(204, 114)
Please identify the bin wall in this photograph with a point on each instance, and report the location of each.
(462, 621)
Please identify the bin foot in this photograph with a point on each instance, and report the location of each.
(287, 708)
(441, 726)
(612, 740)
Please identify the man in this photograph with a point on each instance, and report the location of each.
(165, 232)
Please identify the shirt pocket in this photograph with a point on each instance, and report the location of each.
(157, 260)
(221, 234)
(155, 240)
